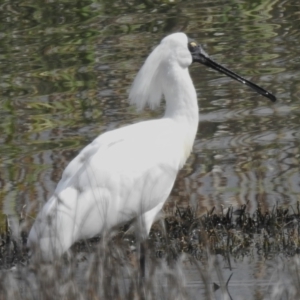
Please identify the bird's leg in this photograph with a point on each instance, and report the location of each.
(142, 258)
(142, 269)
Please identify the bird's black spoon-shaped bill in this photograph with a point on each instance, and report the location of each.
(199, 55)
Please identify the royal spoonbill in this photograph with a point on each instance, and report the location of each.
(129, 172)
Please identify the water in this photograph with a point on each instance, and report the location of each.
(66, 67)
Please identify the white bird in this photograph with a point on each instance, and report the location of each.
(129, 172)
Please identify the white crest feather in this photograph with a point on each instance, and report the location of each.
(147, 88)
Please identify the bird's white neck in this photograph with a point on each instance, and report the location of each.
(181, 97)
(182, 104)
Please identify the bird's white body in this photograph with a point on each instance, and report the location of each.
(127, 172)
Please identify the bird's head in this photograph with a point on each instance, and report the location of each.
(176, 50)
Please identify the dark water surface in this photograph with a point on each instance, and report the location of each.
(66, 67)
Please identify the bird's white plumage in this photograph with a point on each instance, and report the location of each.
(128, 172)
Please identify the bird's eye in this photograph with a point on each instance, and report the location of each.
(192, 46)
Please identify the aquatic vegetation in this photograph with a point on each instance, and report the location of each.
(229, 231)
(108, 268)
